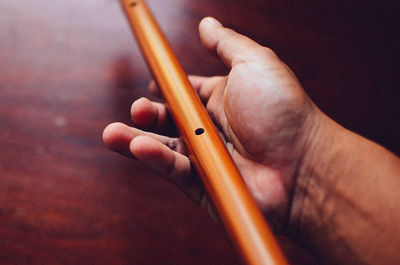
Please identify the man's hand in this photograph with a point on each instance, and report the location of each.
(260, 109)
(329, 188)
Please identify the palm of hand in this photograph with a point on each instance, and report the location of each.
(260, 109)
(263, 119)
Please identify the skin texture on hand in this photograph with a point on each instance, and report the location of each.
(293, 158)
(259, 108)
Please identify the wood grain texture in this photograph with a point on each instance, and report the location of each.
(68, 68)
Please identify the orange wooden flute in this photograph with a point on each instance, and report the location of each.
(235, 206)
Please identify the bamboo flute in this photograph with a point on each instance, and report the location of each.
(240, 216)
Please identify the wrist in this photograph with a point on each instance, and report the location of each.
(344, 206)
(315, 175)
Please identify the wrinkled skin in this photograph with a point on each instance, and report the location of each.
(260, 109)
(330, 189)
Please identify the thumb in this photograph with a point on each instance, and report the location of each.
(231, 47)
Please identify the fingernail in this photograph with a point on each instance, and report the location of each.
(213, 21)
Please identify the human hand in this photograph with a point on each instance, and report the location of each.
(335, 191)
(260, 109)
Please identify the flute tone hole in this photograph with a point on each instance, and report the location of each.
(199, 131)
(133, 4)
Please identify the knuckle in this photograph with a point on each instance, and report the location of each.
(266, 52)
(172, 144)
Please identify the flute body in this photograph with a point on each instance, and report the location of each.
(240, 216)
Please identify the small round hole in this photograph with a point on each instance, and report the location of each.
(199, 131)
(133, 4)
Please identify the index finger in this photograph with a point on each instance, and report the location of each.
(201, 84)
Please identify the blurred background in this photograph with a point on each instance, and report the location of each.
(69, 68)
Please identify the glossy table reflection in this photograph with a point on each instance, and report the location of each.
(68, 68)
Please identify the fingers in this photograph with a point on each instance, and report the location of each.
(196, 81)
(154, 89)
(230, 46)
(159, 157)
(173, 166)
(118, 136)
(161, 154)
(203, 85)
(149, 115)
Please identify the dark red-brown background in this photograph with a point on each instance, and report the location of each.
(68, 68)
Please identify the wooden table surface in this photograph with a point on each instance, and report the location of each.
(68, 68)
